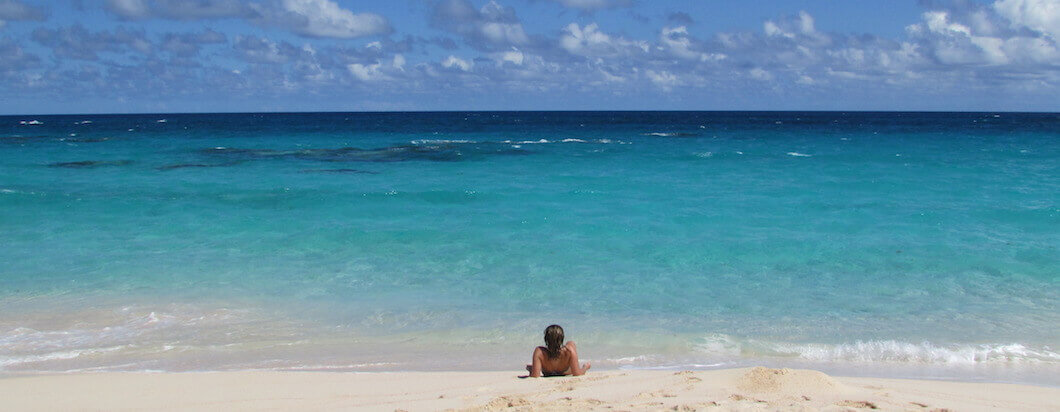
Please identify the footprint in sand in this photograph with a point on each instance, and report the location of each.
(506, 402)
(737, 397)
(696, 406)
(656, 394)
(594, 378)
(858, 404)
(689, 378)
(571, 383)
(569, 403)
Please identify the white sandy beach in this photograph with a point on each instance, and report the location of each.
(732, 389)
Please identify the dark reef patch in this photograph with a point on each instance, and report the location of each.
(449, 152)
(672, 134)
(337, 171)
(194, 165)
(89, 164)
(44, 138)
(85, 139)
(23, 139)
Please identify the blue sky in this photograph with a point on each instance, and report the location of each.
(128, 56)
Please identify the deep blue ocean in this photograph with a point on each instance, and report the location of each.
(893, 244)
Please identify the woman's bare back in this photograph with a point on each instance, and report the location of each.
(566, 363)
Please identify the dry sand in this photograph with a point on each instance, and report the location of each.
(733, 389)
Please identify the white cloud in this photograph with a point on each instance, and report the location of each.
(662, 78)
(491, 27)
(576, 41)
(772, 29)
(378, 71)
(366, 73)
(453, 61)
(309, 18)
(1042, 16)
(177, 9)
(499, 27)
(132, 9)
(325, 18)
(676, 39)
(590, 41)
(512, 56)
(310, 70)
(806, 23)
(802, 24)
(799, 28)
(504, 33)
(678, 42)
(949, 42)
(1031, 50)
(758, 73)
(938, 22)
(977, 42)
(607, 77)
(590, 5)
(258, 50)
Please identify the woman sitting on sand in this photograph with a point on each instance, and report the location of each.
(555, 358)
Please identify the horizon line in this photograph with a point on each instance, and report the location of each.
(527, 111)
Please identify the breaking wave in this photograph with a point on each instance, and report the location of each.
(888, 351)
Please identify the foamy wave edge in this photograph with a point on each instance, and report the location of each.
(881, 351)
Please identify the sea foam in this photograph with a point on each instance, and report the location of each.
(885, 351)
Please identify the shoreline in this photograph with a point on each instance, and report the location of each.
(1026, 375)
(727, 389)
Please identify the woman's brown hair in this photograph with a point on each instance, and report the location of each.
(553, 340)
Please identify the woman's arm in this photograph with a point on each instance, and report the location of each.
(537, 358)
(576, 369)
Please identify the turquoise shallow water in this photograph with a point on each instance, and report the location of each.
(920, 244)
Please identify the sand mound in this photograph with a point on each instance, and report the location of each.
(787, 381)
